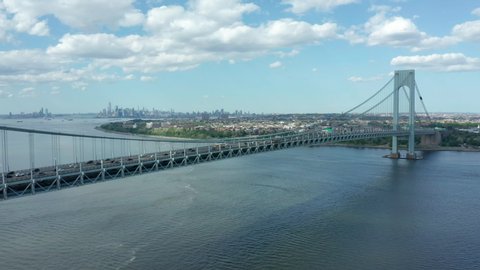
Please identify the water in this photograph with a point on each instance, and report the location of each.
(72, 149)
(303, 208)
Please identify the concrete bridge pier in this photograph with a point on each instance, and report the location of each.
(431, 139)
(5, 191)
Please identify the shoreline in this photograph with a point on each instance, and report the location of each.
(143, 135)
(428, 149)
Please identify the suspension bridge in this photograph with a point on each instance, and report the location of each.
(78, 159)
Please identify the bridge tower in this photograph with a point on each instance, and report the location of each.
(404, 78)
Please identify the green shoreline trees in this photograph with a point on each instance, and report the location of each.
(451, 137)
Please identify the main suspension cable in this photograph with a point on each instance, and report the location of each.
(370, 98)
(423, 104)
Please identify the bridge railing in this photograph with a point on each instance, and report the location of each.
(93, 151)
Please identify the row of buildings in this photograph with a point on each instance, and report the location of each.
(119, 112)
(42, 113)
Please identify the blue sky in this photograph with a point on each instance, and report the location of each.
(298, 56)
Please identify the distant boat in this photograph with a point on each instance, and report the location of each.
(19, 121)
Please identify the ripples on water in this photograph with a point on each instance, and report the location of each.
(305, 208)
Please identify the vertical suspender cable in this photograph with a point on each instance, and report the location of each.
(423, 104)
(31, 145)
(102, 142)
(5, 151)
(53, 148)
(94, 146)
(58, 149)
(112, 148)
(74, 145)
(82, 150)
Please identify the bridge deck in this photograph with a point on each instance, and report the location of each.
(32, 181)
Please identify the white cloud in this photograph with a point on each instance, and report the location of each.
(385, 29)
(365, 79)
(23, 23)
(355, 35)
(39, 29)
(4, 26)
(291, 53)
(61, 76)
(79, 14)
(176, 38)
(182, 38)
(276, 64)
(146, 78)
(476, 12)
(45, 77)
(36, 66)
(27, 62)
(129, 77)
(28, 92)
(302, 6)
(449, 62)
(5, 94)
(225, 11)
(132, 18)
(94, 46)
(468, 31)
(199, 18)
(55, 91)
(396, 31)
(82, 86)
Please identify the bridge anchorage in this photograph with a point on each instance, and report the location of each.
(78, 159)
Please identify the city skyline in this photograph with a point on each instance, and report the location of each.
(117, 111)
(264, 57)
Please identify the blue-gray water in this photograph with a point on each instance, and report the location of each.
(303, 208)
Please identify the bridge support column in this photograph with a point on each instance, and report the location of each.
(411, 119)
(103, 170)
(198, 155)
(122, 170)
(156, 162)
(4, 186)
(58, 175)
(59, 184)
(396, 96)
(404, 78)
(32, 188)
(4, 144)
(82, 174)
(431, 140)
(140, 164)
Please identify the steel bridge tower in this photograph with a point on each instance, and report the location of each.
(404, 78)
